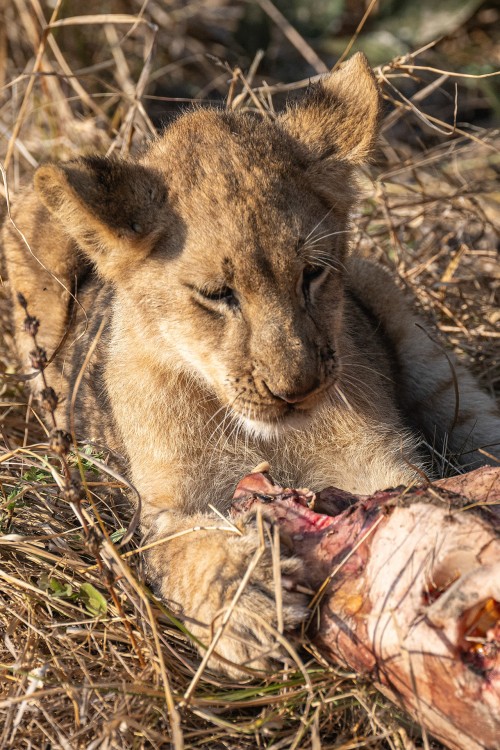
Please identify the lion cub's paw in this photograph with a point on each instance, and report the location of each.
(252, 636)
(264, 607)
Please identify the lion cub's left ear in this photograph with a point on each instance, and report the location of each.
(111, 208)
(337, 121)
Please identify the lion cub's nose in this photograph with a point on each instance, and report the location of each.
(296, 395)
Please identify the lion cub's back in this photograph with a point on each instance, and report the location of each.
(436, 393)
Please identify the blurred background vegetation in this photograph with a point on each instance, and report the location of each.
(298, 38)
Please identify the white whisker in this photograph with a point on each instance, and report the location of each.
(221, 408)
(321, 237)
(227, 431)
(319, 223)
(365, 367)
(326, 262)
(342, 396)
(358, 386)
(234, 429)
(218, 427)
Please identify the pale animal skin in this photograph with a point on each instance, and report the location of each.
(238, 329)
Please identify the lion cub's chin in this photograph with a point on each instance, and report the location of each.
(273, 428)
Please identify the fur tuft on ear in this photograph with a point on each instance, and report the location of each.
(114, 210)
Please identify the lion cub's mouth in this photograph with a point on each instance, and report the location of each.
(265, 420)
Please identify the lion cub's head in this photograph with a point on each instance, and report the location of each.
(226, 242)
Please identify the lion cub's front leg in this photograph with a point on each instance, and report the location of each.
(198, 570)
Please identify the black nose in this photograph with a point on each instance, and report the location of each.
(296, 395)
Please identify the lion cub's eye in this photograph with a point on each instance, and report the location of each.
(225, 295)
(311, 274)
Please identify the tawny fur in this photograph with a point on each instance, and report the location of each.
(237, 329)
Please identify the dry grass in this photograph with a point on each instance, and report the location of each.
(88, 658)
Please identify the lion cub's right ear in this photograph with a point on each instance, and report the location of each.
(111, 208)
(337, 123)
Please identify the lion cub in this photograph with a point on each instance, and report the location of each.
(235, 328)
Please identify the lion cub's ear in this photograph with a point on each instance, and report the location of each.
(111, 208)
(337, 122)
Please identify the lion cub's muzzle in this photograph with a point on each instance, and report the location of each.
(280, 405)
(287, 385)
(300, 382)
(282, 398)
